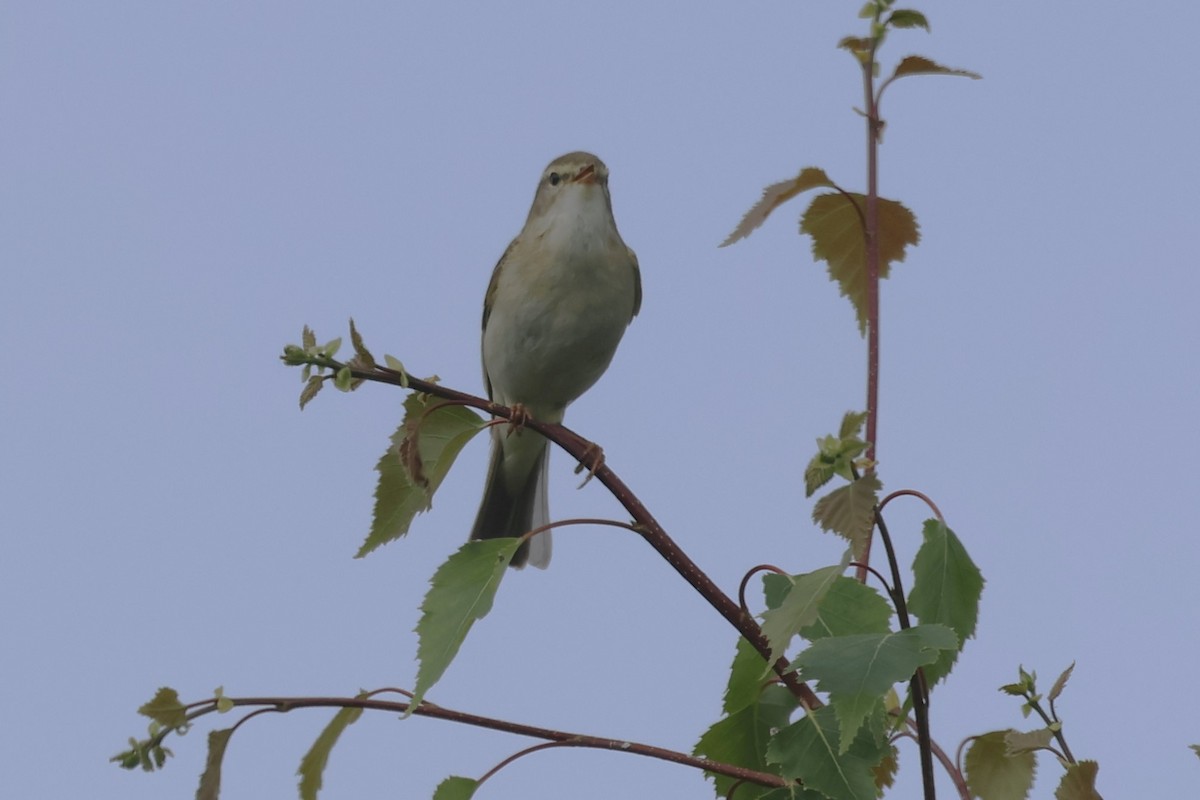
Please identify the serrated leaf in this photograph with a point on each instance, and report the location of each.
(1016, 742)
(852, 711)
(993, 774)
(920, 65)
(165, 708)
(1079, 783)
(946, 590)
(312, 766)
(835, 455)
(798, 609)
(855, 44)
(907, 18)
(210, 779)
(435, 440)
(461, 593)
(308, 339)
(776, 195)
(745, 678)
(1195, 749)
(361, 353)
(808, 750)
(871, 663)
(849, 608)
(859, 670)
(310, 390)
(852, 423)
(849, 511)
(817, 473)
(741, 738)
(839, 239)
(775, 588)
(456, 788)
(1060, 684)
(885, 771)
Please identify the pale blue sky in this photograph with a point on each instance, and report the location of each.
(183, 186)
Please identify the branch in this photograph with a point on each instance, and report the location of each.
(583, 452)
(285, 704)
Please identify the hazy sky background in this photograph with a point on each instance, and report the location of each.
(183, 186)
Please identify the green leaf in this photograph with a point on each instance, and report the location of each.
(330, 348)
(858, 670)
(852, 422)
(849, 511)
(1195, 749)
(210, 779)
(1060, 684)
(1017, 742)
(798, 609)
(394, 364)
(343, 380)
(308, 339)
(745, 678)
(1079, 783)
(776, 588)
(919, 65)
(165, 708)
(456, 788)
(907, 18)
(315, 382)
(312, 766)
(859, 47)
(807, 749)
(835, 454)
(776, 195)
(839, 239)
(993, 774)
(224, 704)
(742, 738)
(871, 663)
(946, 590)
(460, 593)
(423, 450)
(848, 608)
(885, 771)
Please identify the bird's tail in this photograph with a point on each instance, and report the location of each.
(515, 499)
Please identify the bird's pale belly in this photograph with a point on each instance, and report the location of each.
(546, 360)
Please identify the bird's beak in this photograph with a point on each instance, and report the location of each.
(586, 175)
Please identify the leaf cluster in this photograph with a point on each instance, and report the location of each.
(1002, 764)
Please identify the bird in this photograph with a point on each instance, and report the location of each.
(559, 301)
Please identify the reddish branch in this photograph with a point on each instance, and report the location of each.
(563, 738)
(584, 452)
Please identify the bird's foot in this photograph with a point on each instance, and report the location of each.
(517, 419)
(591, 460)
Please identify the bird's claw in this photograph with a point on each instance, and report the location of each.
(518, 417)
(592, 459)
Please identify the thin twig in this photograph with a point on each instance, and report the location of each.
(564, 738)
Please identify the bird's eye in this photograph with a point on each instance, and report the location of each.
(555, 178)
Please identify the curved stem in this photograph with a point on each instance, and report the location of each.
(746, 580)
(914, 493)
(951, 767)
